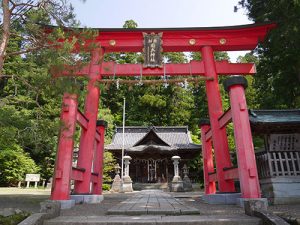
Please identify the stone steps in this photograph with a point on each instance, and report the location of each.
(128, 220)
(152, 202)
(150, 186)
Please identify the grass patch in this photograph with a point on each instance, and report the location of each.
(13, 219)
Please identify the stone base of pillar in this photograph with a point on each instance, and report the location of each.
(127, 184)
(89, 199)
(222, 198)
(115, 187)
(66, 204)
(187, 184)
(251, 204)
(177, 184)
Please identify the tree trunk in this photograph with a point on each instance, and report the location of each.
(5, 32)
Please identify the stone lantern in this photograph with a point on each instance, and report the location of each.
(117, 180)
(177, 184)
(117, 169)
(187, 185)
(127, 182)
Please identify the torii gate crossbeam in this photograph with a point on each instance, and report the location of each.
(194, 68)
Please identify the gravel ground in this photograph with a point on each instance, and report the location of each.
(27, 200)
(291, 212)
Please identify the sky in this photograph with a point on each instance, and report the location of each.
(160, 14)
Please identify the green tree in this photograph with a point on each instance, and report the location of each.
(14, 162)
(29, 15)
(277, 80)
(30, 102)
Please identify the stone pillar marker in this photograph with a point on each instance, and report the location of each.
(177, 184)
(127, 182)
(187, 185)
(117, 180)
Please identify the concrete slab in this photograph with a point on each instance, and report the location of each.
(66, 204)
(222, 198)
(152, 202)
(151, 220)
(208, 220)
(262, 203)
(254, 204)
(89, 199)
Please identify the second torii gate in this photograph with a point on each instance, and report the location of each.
(206, 40)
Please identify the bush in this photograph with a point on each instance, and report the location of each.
(13, 219)
(105, 187)
(14, 164)
(109, 167)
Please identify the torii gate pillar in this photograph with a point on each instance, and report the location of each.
(207, 155)
(98, 158)
(215, 110)
(86, 148)
(63, 166)
(243, 138)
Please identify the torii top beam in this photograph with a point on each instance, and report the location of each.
(229, 38)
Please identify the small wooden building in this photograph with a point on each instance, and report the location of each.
(278, 162)
(151, 150)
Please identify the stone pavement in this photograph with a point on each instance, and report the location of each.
(153, 220)
(29, 200)
(209, 214)
(152, 207)
(152, 202)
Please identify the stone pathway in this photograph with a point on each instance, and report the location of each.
(150, 207)
(152, 202)
(155, 220)
(29, 199)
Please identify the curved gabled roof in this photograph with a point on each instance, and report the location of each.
(171, 137)
(270, 121)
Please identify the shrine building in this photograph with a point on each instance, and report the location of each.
(151, 149)
(279, 160)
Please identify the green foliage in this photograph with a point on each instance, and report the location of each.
(30, 98)
(105, 114)
(130, 24)
(105, 187)
(109, 164)
(277, 81)
(13, 219)
(14, 164)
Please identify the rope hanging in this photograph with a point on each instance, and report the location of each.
(165, 78)
(147, 82)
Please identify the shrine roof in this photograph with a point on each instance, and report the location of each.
(268, 121)
(170, 137)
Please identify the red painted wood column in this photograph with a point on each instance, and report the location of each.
(87, 139)
(208, 161)
(215, 110)
(248, 176)
(64, 156)
(99, 158)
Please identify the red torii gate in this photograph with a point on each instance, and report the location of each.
(206, 40)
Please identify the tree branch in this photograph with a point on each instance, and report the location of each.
(5, 33)
(30, 50)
